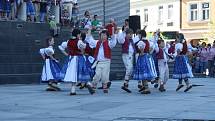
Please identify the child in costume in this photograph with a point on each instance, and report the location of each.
(102, 55)
(51, 69)
(182, 69)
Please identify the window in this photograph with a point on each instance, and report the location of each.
(205, 11)
(170, 11)
(146, 17)
(160, 15)
(170, 24)
(193, 12)
(137, 12)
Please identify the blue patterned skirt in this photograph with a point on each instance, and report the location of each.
(80, 70)
(51, 71)
(83, 69)
(182, 69)
(89, 64)
(145, 68)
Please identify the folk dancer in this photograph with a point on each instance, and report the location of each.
(128, 52)
(102, 55)
(145, 68)
(51, 68)
(182, 69)
(76, 67)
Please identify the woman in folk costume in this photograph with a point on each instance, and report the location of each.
(89, 53)
(182, 70)
(128, 52)
(76, 67)
(51, 69)
(162, 58)
(88, 56)
(64, 50)
(102, 55)
(145, 68)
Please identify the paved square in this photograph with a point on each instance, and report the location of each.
(32, 103)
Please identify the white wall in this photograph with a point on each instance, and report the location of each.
(152, 24)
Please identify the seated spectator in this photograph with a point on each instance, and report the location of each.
(65, 17)
(43, 10)
(54, 29)
(95, 23)
(86, 22)
(110, 25)
(75, 10)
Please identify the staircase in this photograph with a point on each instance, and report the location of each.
(19, 57)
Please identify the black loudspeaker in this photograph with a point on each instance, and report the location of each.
(134, 23)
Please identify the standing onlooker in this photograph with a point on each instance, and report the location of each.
(7, 9)
(36, 4)
(13, 8)
(53, 27)
(30, 10)
(43, 10)
(211, 60)
(1, 9)
(126, 25)
(75, 16)
(203, 53)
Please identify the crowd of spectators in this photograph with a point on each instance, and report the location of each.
(36, 10)
(201, 57)
(204, 59)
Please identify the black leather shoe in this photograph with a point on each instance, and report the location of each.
(108, 84)
(90, 89)
(72, 93)
(188, 88)
(125, 88)
(179, 87)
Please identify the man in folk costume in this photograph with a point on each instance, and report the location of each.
(128, 51)
(102, 55)
(75, 69)
(161, 56)
(145, 68)
(182, 69)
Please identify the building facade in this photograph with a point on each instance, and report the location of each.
(158, 14)
(198, 18)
